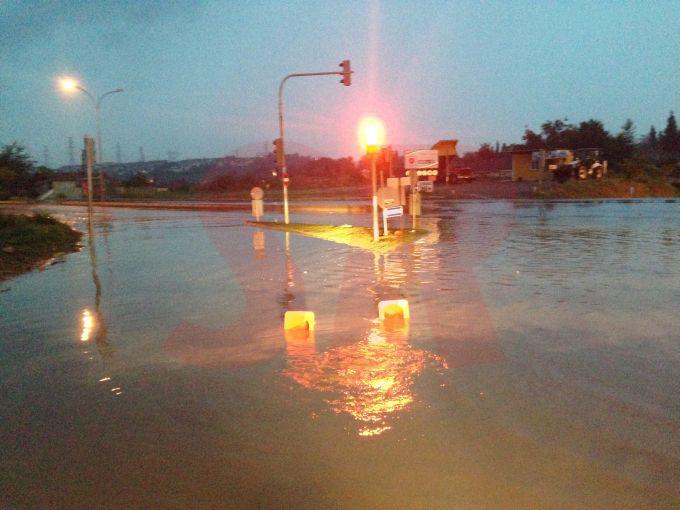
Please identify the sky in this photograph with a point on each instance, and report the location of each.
(201, 78)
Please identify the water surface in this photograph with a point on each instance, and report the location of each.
(539, 368)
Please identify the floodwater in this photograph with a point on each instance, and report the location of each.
(539, 368)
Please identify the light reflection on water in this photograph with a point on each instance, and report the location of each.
(542, 351)
(370, 380)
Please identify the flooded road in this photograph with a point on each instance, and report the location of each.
(540, 367)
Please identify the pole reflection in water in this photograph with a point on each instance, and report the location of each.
(287, 296)
(93, 325)
(252, 336)
(370, 380)
(258, 244)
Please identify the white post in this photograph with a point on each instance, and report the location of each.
(376, 228)
(414, 191)
(284, 170)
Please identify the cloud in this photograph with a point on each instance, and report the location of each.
(24, 24)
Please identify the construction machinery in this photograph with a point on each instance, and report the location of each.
(577, 164)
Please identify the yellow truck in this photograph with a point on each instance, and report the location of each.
(580, 164)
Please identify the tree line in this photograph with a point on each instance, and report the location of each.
(654, 154)
(659, 148)
(18, 175)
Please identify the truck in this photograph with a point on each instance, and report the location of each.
(579, 164)
(462, 174)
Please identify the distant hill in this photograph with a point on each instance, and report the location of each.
(259, 149)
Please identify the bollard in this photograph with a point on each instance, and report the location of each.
(257, 203)
(393, 308)
(298, 320)
(258, 209)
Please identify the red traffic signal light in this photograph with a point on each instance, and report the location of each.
(346, 73)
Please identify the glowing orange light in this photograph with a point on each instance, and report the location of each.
(88, 324)
(68, 84)
(371, 133)
(370, 380)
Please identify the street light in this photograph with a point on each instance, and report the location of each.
(70, 85)
(372, 137)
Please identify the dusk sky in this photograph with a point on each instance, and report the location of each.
(201, 78)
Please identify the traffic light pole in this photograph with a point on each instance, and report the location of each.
(284, 169)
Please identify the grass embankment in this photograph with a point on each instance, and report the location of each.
(610, 188)
(25, 241)
(359, 237)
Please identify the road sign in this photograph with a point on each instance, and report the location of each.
(393, 212)
(388, 197)
(427, 186)
(256, 193)
(421, 159)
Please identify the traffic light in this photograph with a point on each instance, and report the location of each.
(346, 73)
(279, 158)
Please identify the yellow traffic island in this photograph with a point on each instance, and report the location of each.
(359, 237)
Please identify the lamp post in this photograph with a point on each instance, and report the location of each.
(372, 137)
(71, 85)
(346, 74)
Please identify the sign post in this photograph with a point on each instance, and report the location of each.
(391, 212)
(414, 161)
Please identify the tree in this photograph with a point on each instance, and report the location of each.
(486, 151)
(651, 138)
(16, 169)
(591, 133)
(649, 145)
(558, 134)
(533, 140)
(669, 140)
(625, 140)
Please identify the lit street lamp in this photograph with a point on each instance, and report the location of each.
(70, 85)
(372, 137)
